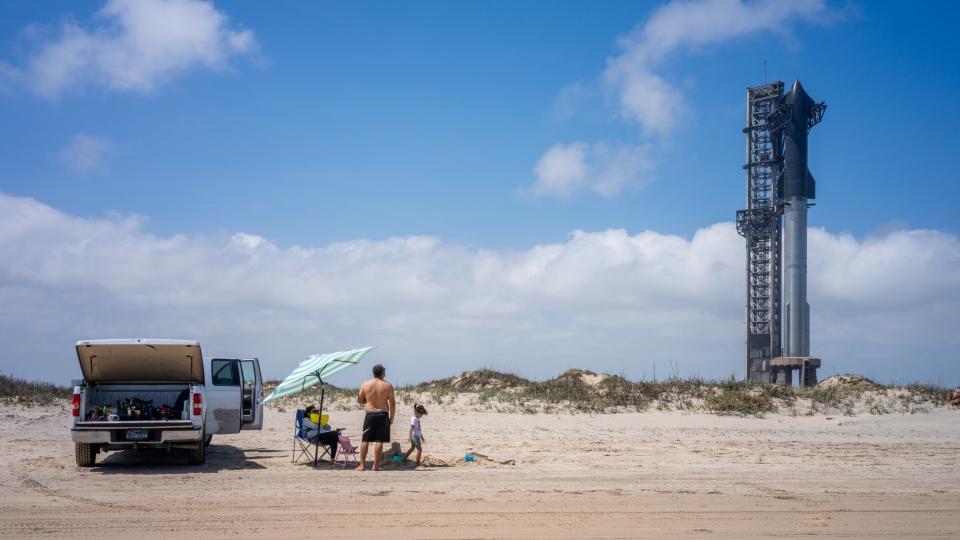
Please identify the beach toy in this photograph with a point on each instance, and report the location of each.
(315, 418)
(469, 457)
(398, 458)
(324, 419)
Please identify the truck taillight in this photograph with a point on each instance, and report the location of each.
(76, 404)
(197, 404)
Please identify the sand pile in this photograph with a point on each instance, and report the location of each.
(582, 376)
(849, 380)
(483, 379)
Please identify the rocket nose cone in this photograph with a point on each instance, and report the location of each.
(797, 95)
(798, 90)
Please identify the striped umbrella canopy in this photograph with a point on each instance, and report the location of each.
(305, 375)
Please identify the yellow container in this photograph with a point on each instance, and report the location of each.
(324, 419)
(319, 419)
(315, 418)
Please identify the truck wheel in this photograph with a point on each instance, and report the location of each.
(196, 456)
(86, 455)
(207, 440)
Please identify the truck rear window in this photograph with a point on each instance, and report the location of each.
(225, 373)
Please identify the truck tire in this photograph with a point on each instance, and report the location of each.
(198, 455)
(207, 440)
(86, 455)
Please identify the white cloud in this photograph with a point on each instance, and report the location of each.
(133, 45)
(561, 170)
(605, 168)
(85, 153)
(644, 95)
(886, 306)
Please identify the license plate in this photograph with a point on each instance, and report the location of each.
(137, 434)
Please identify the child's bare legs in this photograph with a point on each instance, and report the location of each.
(413, 447)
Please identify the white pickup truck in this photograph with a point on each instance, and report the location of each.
(159, 393)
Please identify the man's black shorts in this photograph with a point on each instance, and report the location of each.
(376, 427)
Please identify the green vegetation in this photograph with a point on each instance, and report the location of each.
(938, 396)
(739, 403)
(23, 392)
(581, 391)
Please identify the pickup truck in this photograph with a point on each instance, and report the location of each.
(159, 393)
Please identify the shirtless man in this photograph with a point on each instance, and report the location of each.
(376, 396)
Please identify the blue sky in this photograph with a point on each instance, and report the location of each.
(371, 121)
(426, 118)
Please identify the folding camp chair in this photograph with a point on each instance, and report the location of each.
(347, 451)
(305, 447)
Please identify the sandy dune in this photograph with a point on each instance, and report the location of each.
(649, 475)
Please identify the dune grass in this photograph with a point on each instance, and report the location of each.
(581, 391)
(588, 392)
(29, 393)
(739, 403)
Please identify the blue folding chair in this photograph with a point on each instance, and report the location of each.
(305, 447)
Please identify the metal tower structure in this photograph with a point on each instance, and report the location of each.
(760, 224)
(779, 185)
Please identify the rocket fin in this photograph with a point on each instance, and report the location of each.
(811, 186)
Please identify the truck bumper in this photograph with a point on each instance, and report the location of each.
(90, 436)
(178, 436)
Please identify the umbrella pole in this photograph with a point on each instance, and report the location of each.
(316, 443)
(322, 391)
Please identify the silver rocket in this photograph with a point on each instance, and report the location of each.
(797, 114)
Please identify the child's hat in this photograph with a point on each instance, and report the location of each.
(420, 408)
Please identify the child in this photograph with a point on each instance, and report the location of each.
(416, 434)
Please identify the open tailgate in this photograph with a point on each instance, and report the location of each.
(140, 361)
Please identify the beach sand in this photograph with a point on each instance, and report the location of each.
(632, 475)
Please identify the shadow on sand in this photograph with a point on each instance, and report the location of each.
(146, 461)
(388, 466)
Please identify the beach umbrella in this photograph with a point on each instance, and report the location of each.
(315, 369)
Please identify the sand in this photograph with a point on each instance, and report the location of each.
(633, 475)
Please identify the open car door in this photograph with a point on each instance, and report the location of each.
(223, 392)
(252, 395)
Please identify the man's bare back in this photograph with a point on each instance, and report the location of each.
(377, 395)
